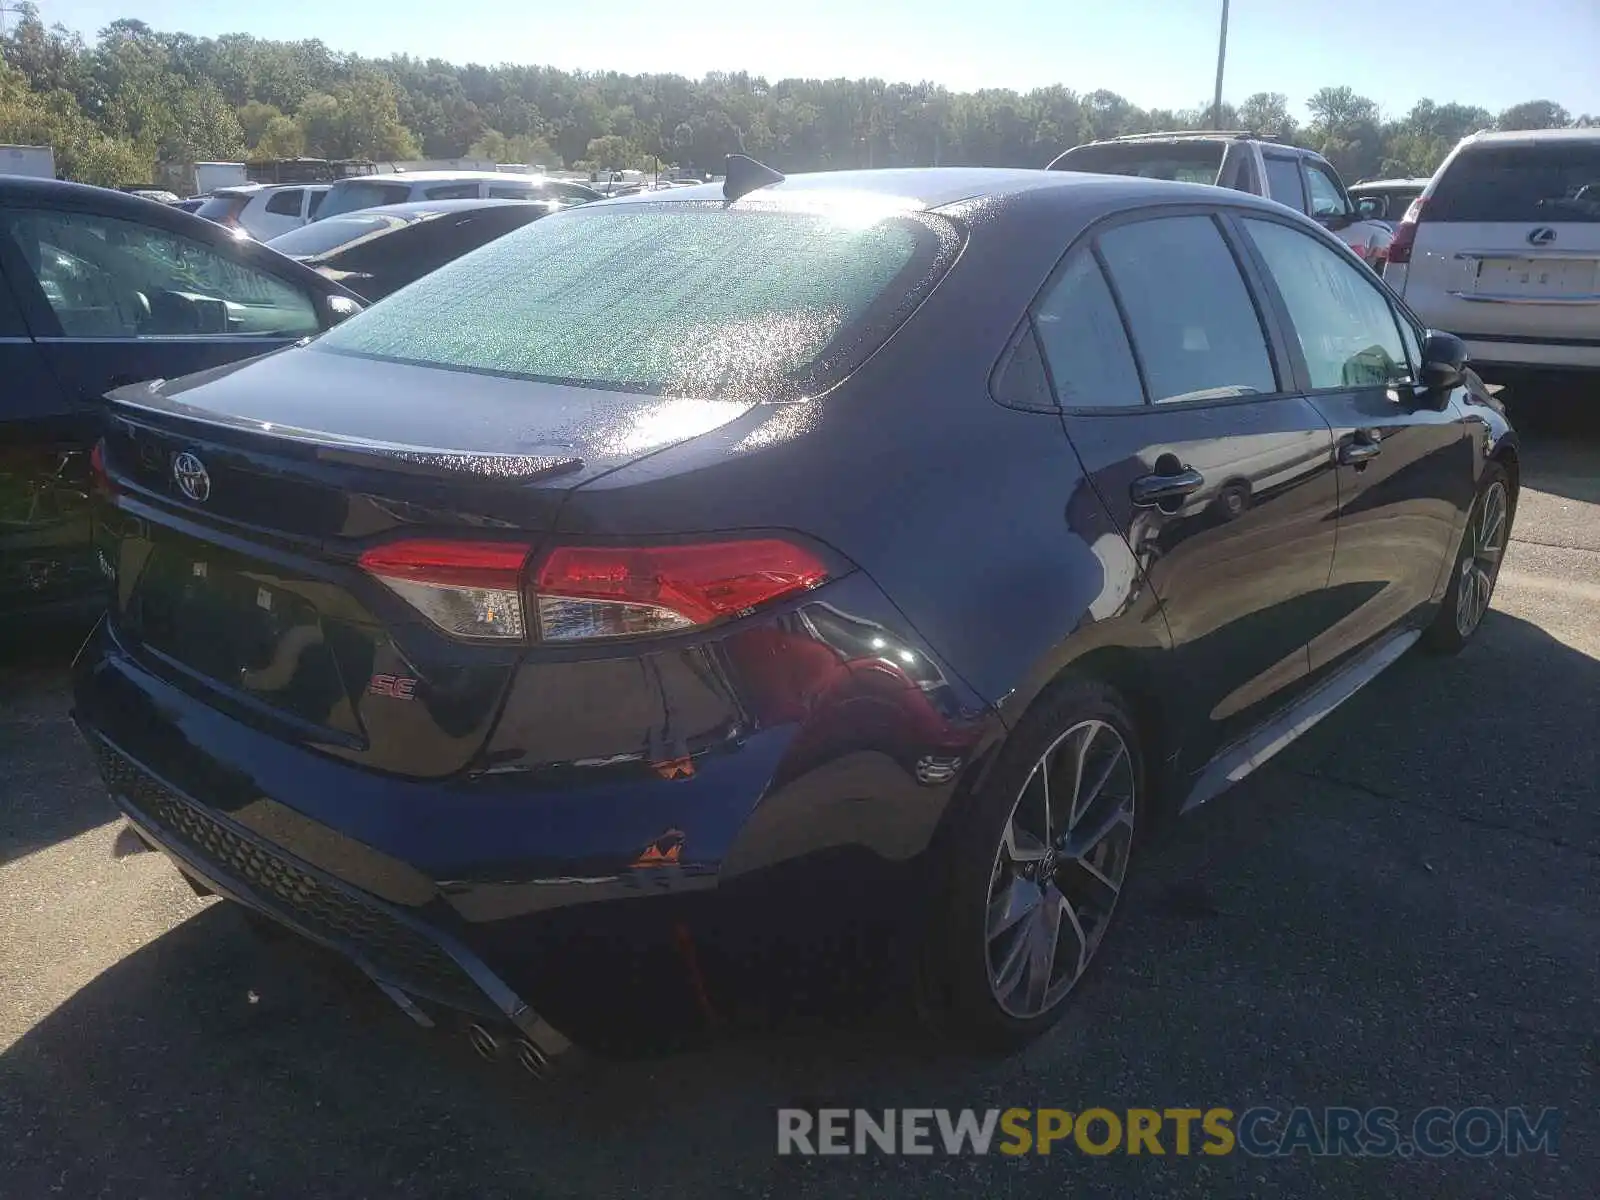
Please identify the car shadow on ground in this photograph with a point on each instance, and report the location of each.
(1401, 910)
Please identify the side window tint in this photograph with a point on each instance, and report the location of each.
(1020, 381)
(1283, 182)
(1346, 329)
(1193, 324)
(514, 191)
(106, 277)
(316, 202)
(285, 204)
(1083, 340)
(453, 191)
(1326, 200)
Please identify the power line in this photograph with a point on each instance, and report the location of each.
(8, 8)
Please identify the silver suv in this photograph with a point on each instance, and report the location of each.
(1300, 178)
(1503, 248)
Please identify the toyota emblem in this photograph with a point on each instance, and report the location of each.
(1541, 235)
(193, 479)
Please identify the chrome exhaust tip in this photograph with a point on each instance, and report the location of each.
(483, 1042)
(532, 1059)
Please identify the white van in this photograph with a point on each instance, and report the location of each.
(378, 191)
(1502, 249)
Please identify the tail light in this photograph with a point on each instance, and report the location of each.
(99, 477)
(1405, 234)
(491, 590)
(467, 589)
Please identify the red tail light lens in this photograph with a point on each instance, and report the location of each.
(1405, 234)
(475, 589)
(99, 477)
(603, 592)
(468, 589)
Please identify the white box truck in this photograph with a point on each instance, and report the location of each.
(37, 161)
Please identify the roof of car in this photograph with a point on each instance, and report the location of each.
(439, 176)
(1528, 136)
(935, 187)
(1421, 181)
(432, 208)
(31, 189)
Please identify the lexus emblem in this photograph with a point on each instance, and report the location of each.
(1541, 235)
(193, 479)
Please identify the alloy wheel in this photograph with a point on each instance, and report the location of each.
(1480, 565)
(1059, 868)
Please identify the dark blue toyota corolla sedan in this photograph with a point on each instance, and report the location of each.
(679, 578)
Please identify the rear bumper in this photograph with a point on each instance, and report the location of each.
(494, 891)
(390, 946)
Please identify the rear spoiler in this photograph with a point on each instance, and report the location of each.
(485, 466)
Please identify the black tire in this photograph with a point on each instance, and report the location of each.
(958, 990)
(1460, 617)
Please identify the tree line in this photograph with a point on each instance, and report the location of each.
(135, 96)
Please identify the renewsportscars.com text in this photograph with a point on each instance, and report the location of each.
(1260, 1132)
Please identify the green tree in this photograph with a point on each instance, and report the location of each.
(1268, 113)
(1534, 114)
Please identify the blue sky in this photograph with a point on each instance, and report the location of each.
(1154, 52)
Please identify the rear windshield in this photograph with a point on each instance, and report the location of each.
(220, 208)
(1548, 183)
(366, 193)
(321, 237)
(677, 299)
(1186, 162)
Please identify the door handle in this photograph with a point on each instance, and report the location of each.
(1358, 452)
(1151, 491)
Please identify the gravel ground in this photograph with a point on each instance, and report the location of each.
(1402, 909)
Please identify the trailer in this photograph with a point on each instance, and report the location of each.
(39, 162)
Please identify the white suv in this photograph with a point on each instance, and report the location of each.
(264, 211)
(1503, 248)
(377, 191)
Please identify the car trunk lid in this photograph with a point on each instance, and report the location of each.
(246, 495)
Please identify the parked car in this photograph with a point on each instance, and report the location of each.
(376, 251)
(191, 205)
(1300, 178)
(98, 289)
(375, 191)
(1386, 200)
(264, 211)
(681, 578)
(1503, 248)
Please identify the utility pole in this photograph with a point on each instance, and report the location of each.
(4, 9)
(1222, 56)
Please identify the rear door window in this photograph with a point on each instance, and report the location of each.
(286, 203)
(317, 197)
(1085, 346)
(688, 300)
(1546, 184)
(1283, 181)
(1194, 326)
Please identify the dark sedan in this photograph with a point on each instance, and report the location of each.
(99, 289)
(376, 251)
(686, 579)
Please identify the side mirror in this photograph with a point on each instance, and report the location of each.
(1444, 361)
(1372, 208)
